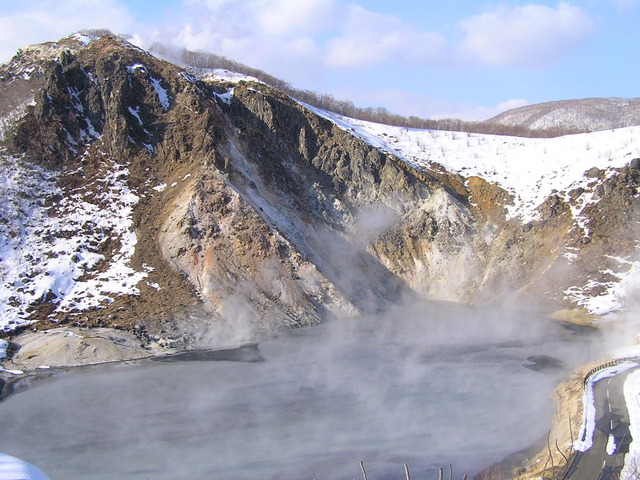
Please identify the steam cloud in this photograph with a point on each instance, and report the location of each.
(425, 384)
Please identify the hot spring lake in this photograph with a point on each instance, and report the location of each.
(428, 389)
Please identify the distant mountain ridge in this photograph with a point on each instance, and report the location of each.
(586, 115)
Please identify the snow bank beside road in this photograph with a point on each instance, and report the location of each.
(632, 399)
(589, 415)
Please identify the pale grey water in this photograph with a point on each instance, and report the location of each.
(385, 392)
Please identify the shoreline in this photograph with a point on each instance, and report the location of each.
(532, 462)
(96, 347)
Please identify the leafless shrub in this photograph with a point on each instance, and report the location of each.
(96, 32)
(407, 474)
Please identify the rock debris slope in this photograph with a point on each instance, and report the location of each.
(136, 195)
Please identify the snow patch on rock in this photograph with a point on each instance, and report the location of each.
(615, 294)
(222, 75)
(51, 244)
(4, 346)
(163, 96)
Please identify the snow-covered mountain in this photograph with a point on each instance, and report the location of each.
(531, 171)
(183, 205)
(589, 114)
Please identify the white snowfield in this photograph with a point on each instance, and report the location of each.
(222, 75)
(12, 468)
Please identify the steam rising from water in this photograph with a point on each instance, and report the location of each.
(431, 386)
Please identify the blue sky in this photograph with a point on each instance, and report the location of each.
(464, 58)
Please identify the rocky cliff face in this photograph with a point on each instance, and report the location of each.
(138, 196)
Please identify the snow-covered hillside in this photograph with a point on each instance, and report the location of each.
(530, 170)
(588, 114)
(221, 75)
(57, 254)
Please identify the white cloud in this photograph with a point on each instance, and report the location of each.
(287, 37)
(526, 35)
(370, 38)
(210, 23)
(481, 113)
(49, 20)
(625, 5)
(274, 35)
(510, 104)
(295, 17)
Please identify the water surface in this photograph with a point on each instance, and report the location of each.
(428, 389)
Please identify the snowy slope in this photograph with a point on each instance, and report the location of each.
(48, 252)
(617, 295)
(71, 246)
(530, 169)
(221, 75)
(588, 114)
